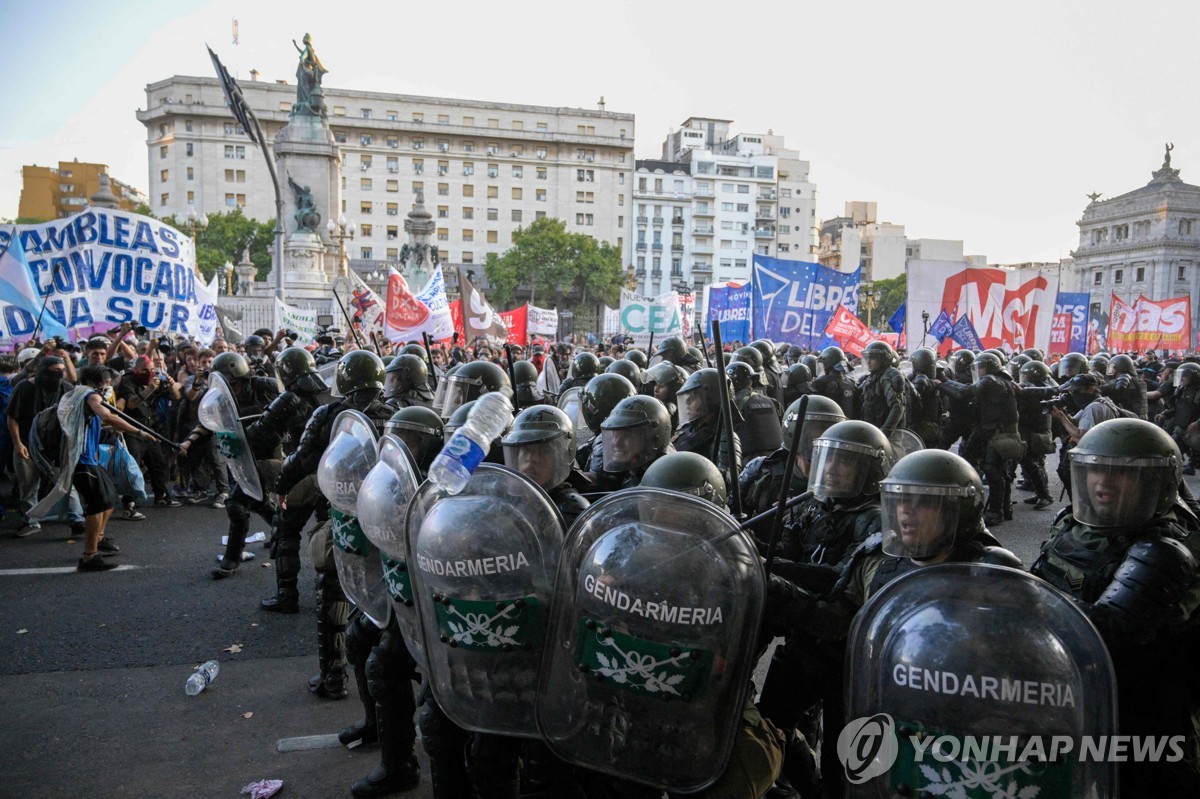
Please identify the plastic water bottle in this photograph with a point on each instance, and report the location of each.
(489, 417)
(201, 677)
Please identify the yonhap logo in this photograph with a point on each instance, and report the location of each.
(867, 747)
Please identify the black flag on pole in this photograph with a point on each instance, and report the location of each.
(234, 99)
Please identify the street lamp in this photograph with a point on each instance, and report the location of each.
(925, 325)
(228, 269)
(342, 230)
(869, 301)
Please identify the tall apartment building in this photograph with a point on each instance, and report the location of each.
(49, 193)
(716, 200)
(485, 168)
(882, 248)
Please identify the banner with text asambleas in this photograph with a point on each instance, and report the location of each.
(1010, 308)
(102, 267)
(793, 301)
(641, 316)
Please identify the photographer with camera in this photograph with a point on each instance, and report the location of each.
(140, 393)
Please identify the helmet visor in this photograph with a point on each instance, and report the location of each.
(840, 470)
(394, 383)
(583, 431)
(693, 405)
(813, 428)
(919, 521)
(975, 374)
(1119, 492)
(627, 448)
(546, 462)
(458, 392)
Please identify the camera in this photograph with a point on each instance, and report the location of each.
(1061, 401)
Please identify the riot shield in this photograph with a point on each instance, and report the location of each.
(485, 562)
(967, 658)
(218, 412)
(383, 501)
(905, 442)
(656, 610)
(350, 456)
(568, 403)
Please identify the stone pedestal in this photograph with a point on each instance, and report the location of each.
(306, 151)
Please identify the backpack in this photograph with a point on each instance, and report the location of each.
(46, 440)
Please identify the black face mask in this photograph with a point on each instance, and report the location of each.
(362, 398)
(50, 380)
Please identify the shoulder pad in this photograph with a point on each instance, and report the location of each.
(999, 556)
(1167, 555)
(1063, 514)
(571, 502)
(321, 412)
(873, 544)
(753, 466)
(287, 402)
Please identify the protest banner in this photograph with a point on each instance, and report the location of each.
(302, 320)
(365, 304)
(408, 315)
(729, 305)
(480, 320)
(1006, 307)
(1073, 335)
(641, 316)
(1150, 324)
(542, 322)
(517, 322)
(98, 269)
(848, 331)
(793, 301)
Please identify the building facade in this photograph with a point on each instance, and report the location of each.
(882, 248)
(49, 193)
(485, 169)
(1143, 242)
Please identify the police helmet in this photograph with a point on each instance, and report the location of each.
(628, 370)
(296, 370)
(689, 473)
(541, 445)
(420, 429)
(231, 365)
(1124, 472)
(699, 396)
(471, 381)
(879, 355)
(849, 460)
(927, 499)
(359, 370)
(404, 373)
(636, 433)
(601, 395)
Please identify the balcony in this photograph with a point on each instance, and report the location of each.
(702, 192)
(764, 233)
(657, 246)
(656, 274)
(641, 245)
(702, 249)
(702, 230)
(641, 220)
(640, 273)
(658, 220)
(767, 195)
(677, 221)
(764, 213)
(701, 269)
(703, 212)
(676, 248)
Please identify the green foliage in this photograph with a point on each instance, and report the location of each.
(890, 294)
(564, 269)
(226, 236)
(141, 209)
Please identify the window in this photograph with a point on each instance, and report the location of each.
(339, 111)
(468, 147)
(468, 257)
(418, 187)
(418, 166)
(743, 188)
(493, 123)
(542, 173)
(364, 207)
(468, 190)
(540, 195)
(235, 175)
(658, 185)
(443, 212)
(393, 209)
(443, 168)
(443, 119)
(191, 197)
(727, 188)
(392, 116)
(1120, 232)
(767, 172)
(518, 171)
(518, 125)
(232, 128)
(541, 126)
(583, 219)
(517, 193)
(539, 152)
(190, 149)
(784, 212)
(443, 189)
(743, 207)
(393, 185)
(365, 253)
(165, 175)
(539, 215)
(418, 117)
(516, 215)
(365, 184)
(493, 192)
(493, 237)
(493, 148)
(365, 230)
(235, 151)
(1139, 274)
(340, 138)
(589, 176)
(1181, 272)
(468, 213)
(443, 145)
(443, 234)
(165, 198)
(162, 151)
(468, 235)
(418, 144)
(366, 113)
(191, 173)
(493, 215)
(393, 142)
(1185, 227)
(468, 168)
(366, 139)
(493, 170)
(1118, 276)
(739, 263)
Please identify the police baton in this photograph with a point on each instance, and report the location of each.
(426, 339)
(735, 488)
(512, 374)
(143, 428)
(704, 350)
(349, 321)
(767, 514)
(788, 470)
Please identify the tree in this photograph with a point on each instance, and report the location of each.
(890, 294)
(564, 269)
(226, 237)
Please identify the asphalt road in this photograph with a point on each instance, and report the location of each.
(93, 667)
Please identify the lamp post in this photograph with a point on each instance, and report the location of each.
(195, 223)
(341, 230)
(925, 325)
(869, 301)
(228, 270)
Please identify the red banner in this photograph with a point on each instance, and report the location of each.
(1150, 324)
(456, 318)
(851, 334)
(1060, 334)
(517, 320)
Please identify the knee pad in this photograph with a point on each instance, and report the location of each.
(361, 636)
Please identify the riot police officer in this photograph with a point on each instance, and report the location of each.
(1182, 415)
(1035, 425)
(996, 439)
(674, 350)
(699, 429)
(664, 379)
(635, 434)
(926, 419)
(772, 371)
(835, 383)
(960, 410)
(407, 382)
(359, 380)
(583, 368)
(799, 383)
(628, 370)
(753, 357)
(1125, 386)
(256, 355)
(470, 381)
(526, 392)
(884, 389)
(1122, 551)
(596, 402)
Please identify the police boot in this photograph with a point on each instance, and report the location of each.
(360, 638)
(287, 596)
(493, 763)
(397, 770)
(333, 611)
(444, 744)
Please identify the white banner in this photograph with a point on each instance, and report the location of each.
(641, 316)
(1009, 308)
(366, 304)
(409, 315)
(542, 322)
(101, 267)
(206, 319)
(302, 320)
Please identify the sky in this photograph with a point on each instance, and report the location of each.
(988, 125)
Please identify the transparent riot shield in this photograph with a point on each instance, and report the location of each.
(656, 610)
(905, 442)
(383, 501)
(351, 454)
(966, 658)
(485, 563)
(218, 412)
(568, 403)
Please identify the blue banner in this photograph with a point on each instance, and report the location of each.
(793, 301)
(941, 327)
(964, 333)
(730, 306)
(1078, 306)
(896, 323)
